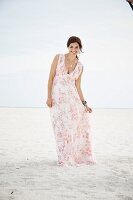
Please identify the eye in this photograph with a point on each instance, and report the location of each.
(76, 47)
(71, 46)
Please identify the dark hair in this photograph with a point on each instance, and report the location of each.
(73, 39)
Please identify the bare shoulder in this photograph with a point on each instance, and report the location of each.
(81, 66)
(78, 79)
(54, 65)
(55, 59)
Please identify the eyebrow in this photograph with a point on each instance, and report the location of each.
(72, 46)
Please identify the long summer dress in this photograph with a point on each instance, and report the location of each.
(70, 121)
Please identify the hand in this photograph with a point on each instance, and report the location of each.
(88, 109)
(49, 102)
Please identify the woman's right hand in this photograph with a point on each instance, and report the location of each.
(49, 102)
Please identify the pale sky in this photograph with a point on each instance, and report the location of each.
(32, 32)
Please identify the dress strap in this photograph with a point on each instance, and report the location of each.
(60, 58)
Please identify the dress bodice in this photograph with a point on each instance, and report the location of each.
(61, 70)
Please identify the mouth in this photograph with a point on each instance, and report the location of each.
(73, 52)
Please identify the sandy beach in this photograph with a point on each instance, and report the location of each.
(28, 169)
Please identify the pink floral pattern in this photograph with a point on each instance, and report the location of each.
(69, 119)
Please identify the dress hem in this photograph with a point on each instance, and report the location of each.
(60, 164)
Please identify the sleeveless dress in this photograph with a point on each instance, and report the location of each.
(69, 119)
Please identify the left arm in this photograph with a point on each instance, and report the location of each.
(78, 86)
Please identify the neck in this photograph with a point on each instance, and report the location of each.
(71, 57)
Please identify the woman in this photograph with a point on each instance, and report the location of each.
(68, 108)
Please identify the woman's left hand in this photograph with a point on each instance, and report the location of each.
(88, 109)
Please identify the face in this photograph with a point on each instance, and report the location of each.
(74, 48)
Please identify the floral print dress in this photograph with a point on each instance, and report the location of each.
(70, 121)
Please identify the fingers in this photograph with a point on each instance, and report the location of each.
(49, 104)
(88, 110)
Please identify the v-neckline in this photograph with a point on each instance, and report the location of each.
(65, 66)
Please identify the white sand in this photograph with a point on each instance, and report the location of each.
(28, 169)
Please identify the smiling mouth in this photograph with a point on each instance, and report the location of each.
(73, 52)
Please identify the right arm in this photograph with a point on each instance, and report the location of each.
(50, 80)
